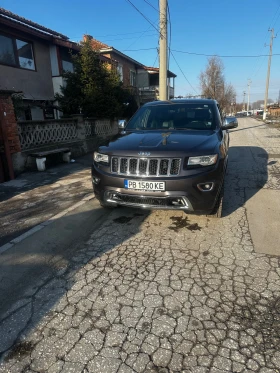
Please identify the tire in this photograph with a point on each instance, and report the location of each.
(218, 209)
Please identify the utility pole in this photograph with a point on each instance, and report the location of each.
(248, 104)
(268, 73)
(163, 50)
(243, 107)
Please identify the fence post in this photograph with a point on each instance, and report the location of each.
(81, 130)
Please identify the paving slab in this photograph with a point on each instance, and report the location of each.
(263, 212)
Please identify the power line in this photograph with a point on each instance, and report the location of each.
(146, 1)
(143, 15)
(272, 24)
(138, 50)
(257, 69)
(104, 36)
(208, 55)
(139, 37)
(155, 59)
(225, 56)
(183, 73)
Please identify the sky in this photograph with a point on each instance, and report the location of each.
(234, 29)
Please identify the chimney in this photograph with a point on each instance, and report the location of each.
(87, 37)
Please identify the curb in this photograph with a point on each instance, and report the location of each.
(40, 226)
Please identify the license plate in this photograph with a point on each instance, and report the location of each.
(153, 186)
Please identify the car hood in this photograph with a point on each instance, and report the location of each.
(158, 143)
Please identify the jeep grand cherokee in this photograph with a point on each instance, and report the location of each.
(171, 155)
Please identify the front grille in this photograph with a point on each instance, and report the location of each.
(153, 202)
(145, 166)
(142, 201)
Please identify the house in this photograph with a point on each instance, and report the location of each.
(32, 59)
(148, 83)
(126, 66)
(141, 80)
(274, 109)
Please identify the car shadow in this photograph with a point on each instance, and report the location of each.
(247, 173)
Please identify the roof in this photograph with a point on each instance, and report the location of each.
(14, 21)
(105, 48)
(113, 50)
(156, 70)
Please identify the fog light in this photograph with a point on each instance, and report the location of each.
(205, 187)
(95, 180)
(177, 202)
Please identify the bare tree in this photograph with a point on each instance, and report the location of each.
(213, 84)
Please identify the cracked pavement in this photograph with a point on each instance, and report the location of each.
(161, 291)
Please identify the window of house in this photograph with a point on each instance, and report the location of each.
(7, 55)
(154, 79)
(16, 52)
(120, 71)
(132, 78)
(25, 55)
(66, 60)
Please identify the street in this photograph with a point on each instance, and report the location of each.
(128, 290)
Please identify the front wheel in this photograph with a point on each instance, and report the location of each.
(218, 209)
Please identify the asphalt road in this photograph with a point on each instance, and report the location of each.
(136, 291)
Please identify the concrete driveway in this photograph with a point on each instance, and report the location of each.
(154, 291)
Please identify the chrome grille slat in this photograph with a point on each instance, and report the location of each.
(144, 167)
(119, 165)
(158, 166)
(148, 167)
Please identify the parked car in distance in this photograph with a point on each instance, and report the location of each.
(241, 114)
(171, 155)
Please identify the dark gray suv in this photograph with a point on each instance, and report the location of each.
(171, 155)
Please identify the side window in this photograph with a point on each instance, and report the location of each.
(66, 60)
(120, 71)
(141, 120)
(132, 78)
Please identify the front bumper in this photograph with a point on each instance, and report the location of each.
(182, 193)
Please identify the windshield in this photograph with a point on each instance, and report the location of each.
(174, 116)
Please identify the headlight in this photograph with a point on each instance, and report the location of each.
(203, 160)
(98, 157)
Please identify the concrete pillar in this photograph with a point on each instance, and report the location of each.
(8, 135)
(81, 131)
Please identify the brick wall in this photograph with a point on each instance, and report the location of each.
(127, 66)
(9, 123)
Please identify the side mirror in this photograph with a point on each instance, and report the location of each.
(229, 123)
(121, 124)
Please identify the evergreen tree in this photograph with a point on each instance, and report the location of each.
(94, 88)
